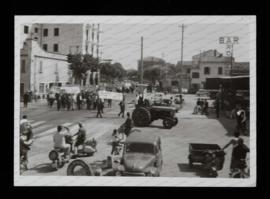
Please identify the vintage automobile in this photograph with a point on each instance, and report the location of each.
(142, 156)
(210, 156)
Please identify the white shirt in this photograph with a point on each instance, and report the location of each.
(24, 121)
(59, 139)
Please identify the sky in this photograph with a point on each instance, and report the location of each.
(122, 42)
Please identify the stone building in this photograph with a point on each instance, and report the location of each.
(40, 70)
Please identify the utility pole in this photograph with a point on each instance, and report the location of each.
(92, 42)
(231, 73)
(182, 43)
(141, 60)
(182, 49)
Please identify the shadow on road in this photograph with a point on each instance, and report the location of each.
(43, 168)
(197, 169)
(228, 124)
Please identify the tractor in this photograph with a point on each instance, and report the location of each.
(144, 115)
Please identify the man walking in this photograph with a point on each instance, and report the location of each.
(122, 108)
(99, 108)
(58, 101)
(79, 101)
(25, 99)
(128, 124)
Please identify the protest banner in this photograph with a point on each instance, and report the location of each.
(110, 95)
(71, 89)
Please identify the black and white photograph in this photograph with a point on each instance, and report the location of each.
(135, 101)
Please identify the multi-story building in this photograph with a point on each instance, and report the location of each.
(63, 38)
(209, 64)
(41, 70)
(43, 52)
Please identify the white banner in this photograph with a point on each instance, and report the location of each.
(71, 89)
(110, 95)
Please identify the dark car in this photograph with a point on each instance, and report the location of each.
(142, 155)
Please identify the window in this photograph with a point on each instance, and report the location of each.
(36, 30)
(45, 32)
(41, 87)
(195, 75)
(23, 66)
(55, 47)
(45, 47)
(220, 70)
(26, 29)
(188, 70)
(206, 70)
(56, 32)
(40, 66)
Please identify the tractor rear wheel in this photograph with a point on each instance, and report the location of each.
(141, 116)
(168, 123)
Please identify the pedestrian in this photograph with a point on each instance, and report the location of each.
(25, 99)
(128, 124)
(109, 103)
(239, 153)
(69, 101)
(63, 103)
(240, 120)
(58, 101)
(51, 99)
(99, 107)
(88, 102)
(122, 108)
(102, 104)
(79, 101)
(26, 140)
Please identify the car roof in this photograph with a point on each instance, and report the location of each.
(140, 137)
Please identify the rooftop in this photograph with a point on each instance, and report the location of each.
(142, 138)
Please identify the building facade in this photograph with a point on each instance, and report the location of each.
(209, 64)
(63, 38)
(41, 70)
(44, 49)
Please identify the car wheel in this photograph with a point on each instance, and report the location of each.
(79, 168)
(168, 123)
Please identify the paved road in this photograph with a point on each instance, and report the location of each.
(190, 129)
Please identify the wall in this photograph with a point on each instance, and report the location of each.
(34, 56)
(70, 36)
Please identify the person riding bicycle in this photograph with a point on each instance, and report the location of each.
(26, 139)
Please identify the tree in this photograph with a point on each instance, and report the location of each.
(133, 75)
(80, 64)
(152, 74)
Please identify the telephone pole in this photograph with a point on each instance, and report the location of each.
(182, 49)
(182, 43)
(141, 60)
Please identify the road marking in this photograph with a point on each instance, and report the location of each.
(51, 131)
(43, 127)
(37, 123)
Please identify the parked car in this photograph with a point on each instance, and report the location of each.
(142, 155)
